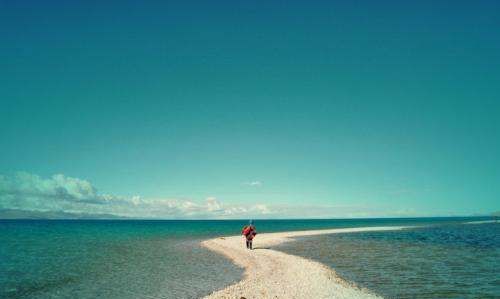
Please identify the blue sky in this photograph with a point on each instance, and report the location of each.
(250, 109)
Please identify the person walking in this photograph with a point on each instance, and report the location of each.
(249, 233)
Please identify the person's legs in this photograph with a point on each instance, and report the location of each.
(250, 244)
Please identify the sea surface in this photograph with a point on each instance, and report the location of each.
(443, 260)
(163, 259)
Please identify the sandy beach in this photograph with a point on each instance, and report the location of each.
(273, 274)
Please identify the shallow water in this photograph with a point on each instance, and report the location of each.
(133, 259)
(107, 260)
(440, 261)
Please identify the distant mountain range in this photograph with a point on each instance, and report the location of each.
(24, 214)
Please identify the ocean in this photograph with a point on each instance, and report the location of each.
(442, 258)
(445, 260)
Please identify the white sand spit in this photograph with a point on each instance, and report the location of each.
(483, 222)
(273, 274)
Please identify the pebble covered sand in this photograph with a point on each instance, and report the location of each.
(273, 274)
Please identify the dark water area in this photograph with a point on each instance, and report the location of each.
(135, 258)
(445, 260)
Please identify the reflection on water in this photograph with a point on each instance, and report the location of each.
(445, 261)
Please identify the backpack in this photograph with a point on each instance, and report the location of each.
(247, 230)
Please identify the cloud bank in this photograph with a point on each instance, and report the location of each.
(62, 195)
(29, 192)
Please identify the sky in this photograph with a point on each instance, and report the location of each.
(261, 109)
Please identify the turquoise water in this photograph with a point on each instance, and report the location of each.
(135, 259)
(446, 260)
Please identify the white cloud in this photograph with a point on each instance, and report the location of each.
(263, 209)
(59, 188)
(61, 193)
(213, 205)
(253, 183)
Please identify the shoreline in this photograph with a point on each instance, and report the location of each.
(270, 273)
